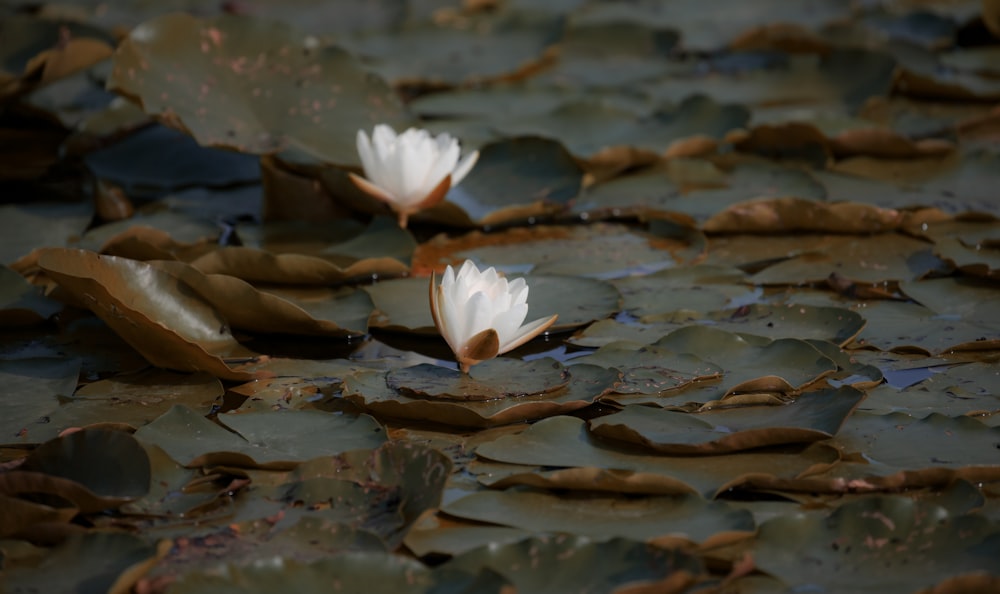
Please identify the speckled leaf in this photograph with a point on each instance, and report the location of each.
(587, 463)
(370, 391)
(578, 564)
(265, 440)
(875, 545)
(89, 562)
(682, 518)
(253, 85)
(812, 416)
(648, 369)
(493, 379)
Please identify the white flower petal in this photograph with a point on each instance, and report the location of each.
(463, 168)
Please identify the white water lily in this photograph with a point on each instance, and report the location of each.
(410, 171)
(480, 314)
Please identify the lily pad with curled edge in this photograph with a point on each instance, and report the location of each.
(876, 544)
(155, 313)
(911, 327)
(791, 320)
(850, 371)
(683, 519)
(695, 288)
(903, 451)
(21, 303)
(796, 215)
(402, 304)
(812, 416)
(490, 380)
(252, 85)
(350, 571)
(561, 453)
(648, 369)
(91, 561)
(318, 311)
(259, 440)
(477, 48)
(370, 391)
(869, 259)
(599, 250)
(971, 246)
(153, 233)
(565, 563)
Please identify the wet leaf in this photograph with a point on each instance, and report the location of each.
(590, 464)
(32, 390)
(490, 380)
(812, 416)
(875, 544)
(579, 564)
(151, 310)
(89, 562)
(650, 370)
(370, 391)
(252, 85)
(665, 519)
(264, 440)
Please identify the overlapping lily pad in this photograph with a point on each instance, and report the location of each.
(587, 463)
(371, 390)
(651, 370)
(665, 519)
(812, 416)
(495, 379)
(264, 439)
(151, 310)
(33, 388)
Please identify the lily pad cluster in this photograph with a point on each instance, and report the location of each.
(769, 231)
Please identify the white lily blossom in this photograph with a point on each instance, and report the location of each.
(410, 171)
(480, 314)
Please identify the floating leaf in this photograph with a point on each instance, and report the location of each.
(875, 544)
(32, 389)
(590, 464)
(252, 85)
(264, 440)
(151, 310)
(491, 380)
(812, 416)
(665, 519)
(650, 370)
(370, 391)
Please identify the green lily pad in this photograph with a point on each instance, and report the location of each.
(971, 301)
(402, 305)
(32, 390)
(650, 370)
(253, 85)
(370, 391)
(685, 517)
(812, 416)
(963, 389)
(89, 562)
(874, 545)
(911, 327)
(971, 246)
(429, 536)
(902, 450)
(488, 47)
(694, 288)
(22, 304)
(578, 564)
(109, 463)
(490, 380)
(587, 463)
(835, 324)
(262, 440)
